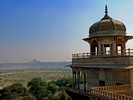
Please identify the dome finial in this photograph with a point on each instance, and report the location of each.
(106, 16)
(106, 9)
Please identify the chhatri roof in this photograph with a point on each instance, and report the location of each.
(107, 24)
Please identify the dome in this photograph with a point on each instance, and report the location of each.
(107, 26)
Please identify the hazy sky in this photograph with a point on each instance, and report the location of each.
(52, 30)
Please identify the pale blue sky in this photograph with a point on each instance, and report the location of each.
(52, 30)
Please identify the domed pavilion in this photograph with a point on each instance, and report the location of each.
(106, 73)
(107, 36)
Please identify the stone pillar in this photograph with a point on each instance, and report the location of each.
(114, 48)
(111, 49)
(84, 81)
(103, 49)
(124, 50)
(73, 80)
(131, 75)
(78, 78)
(99, 48)
(87, 88)
(109, 52)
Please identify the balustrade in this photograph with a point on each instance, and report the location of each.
(77, 91)
(106, 92)
(128, 52)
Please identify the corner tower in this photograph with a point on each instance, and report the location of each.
(107, 36)
(106, 73)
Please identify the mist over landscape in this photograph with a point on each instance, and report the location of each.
(36, 63)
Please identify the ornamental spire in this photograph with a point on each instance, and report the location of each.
(106, 9)
(106, 16)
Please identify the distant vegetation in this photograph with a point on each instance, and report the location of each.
(18, 83)
(36, 89)
(9, 75)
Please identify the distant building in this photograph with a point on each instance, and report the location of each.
(106, 73)
(34, 61)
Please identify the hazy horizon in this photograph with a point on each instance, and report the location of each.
(52, 30)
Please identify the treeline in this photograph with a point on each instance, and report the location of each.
(37, 89)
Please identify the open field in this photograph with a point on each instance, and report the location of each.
(9, 75)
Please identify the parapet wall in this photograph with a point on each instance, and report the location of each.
(119, 60)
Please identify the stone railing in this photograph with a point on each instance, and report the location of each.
(117, 87)
(78, 91)
(127, 52)
(106, 91)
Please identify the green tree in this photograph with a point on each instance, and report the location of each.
(38, 88)
(5, 93)
(64, 96)
(52, 97)
(63, 82)
(13, 91)
(35, 83)
(17, 88)
(29, 98)
(41, 92)
(52, 87)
